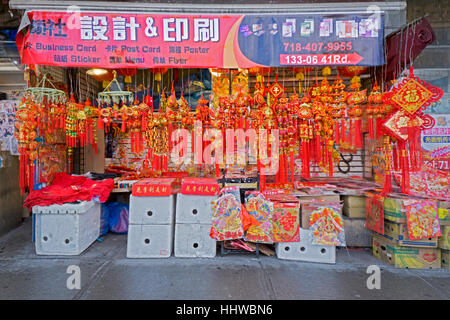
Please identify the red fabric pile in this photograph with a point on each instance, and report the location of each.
(66, 188)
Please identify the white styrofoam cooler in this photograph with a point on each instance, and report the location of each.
(150, 241)
(193, 241)
(305, 251)
(194, 208)
(66, 229)
(152, 210)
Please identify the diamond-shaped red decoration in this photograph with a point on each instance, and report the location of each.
(276, 90)
(411, 96)
(397, 124)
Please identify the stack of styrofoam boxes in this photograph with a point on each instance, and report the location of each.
(151, 221)
(305, 251)
(66, 229)
(193, 218)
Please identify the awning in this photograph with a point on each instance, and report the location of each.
(404, 45)
(211, 6)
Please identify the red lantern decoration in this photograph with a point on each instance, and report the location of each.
(128, 73)
(352, 71)
(220, 70)
(260, 72)
(303, 70)
(104, 77)
(158, 74)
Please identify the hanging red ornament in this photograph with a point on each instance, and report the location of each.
(158, 72)
(260, 72)
(128, 73)
(352, 71)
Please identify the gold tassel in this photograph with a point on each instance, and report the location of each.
(326, 71)
(300, 76)
(259, 78)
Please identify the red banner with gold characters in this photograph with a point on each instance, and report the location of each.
(124, 40)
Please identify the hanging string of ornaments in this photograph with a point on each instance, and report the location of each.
(313, 123)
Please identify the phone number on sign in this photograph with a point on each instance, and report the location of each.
(318, 46)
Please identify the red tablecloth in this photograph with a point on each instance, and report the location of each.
(66, 188)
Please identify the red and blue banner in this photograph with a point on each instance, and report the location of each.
(113, 40)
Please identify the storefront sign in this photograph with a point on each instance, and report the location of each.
(436, 142)
(141, 40)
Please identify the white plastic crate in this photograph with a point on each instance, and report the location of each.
(305, 251)
(152, 210)
(193, 241)
(66, 229)
(194, 209)
(150, 241)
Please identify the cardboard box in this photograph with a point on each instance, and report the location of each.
(444, 213)
(394, 209)
(445, 259)
(406, 257)
(305, 215)
(353, 212)
(398, 232)
(324, 198)
(444, 239)
(354, 206)
(354, 201)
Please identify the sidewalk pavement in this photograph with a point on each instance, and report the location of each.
(106, 273)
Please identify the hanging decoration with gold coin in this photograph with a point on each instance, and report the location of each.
(374, 109)
(36, 114)
(156, 136)
(26, 134)
(410, 99)
(108, 105)
(354, 101)
(322, 109)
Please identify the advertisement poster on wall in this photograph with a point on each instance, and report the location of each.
(436, 143)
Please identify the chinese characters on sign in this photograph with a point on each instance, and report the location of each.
(225, 41)
(436, 143)
(175, 29)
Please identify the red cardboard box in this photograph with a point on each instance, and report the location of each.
(200, 186)
(154, 187)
